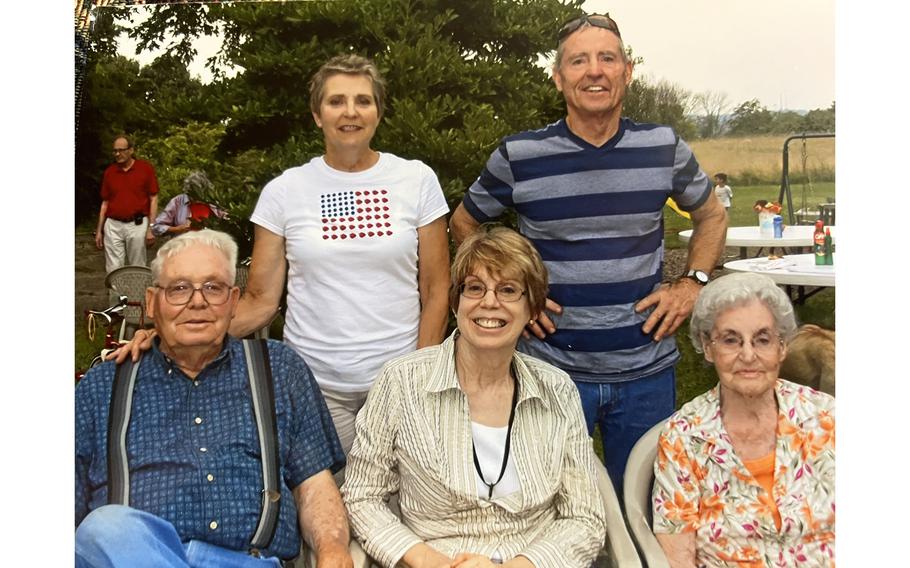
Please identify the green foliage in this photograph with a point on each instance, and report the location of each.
(662, 103)
(751, 117)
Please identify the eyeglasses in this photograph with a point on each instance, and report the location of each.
(121, 150)
(597, 20)
(180, 293)
(505, 292)
(763, 344)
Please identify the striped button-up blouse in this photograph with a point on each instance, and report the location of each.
(414, 437)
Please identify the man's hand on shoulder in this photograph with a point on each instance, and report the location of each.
(672, 304)
(542, 325)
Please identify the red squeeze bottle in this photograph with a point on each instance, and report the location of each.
(818, 242)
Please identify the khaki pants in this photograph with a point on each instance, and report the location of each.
(344, 406)
(124, 243)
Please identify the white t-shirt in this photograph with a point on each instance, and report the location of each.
(490, 445)
(351, 247)
(723, 193)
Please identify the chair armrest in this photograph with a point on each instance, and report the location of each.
(620, 548)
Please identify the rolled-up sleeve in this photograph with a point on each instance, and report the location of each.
(580, 527)
(372, 475)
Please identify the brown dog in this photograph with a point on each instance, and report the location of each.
(810, 359)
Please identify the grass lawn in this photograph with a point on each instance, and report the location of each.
(693, 375)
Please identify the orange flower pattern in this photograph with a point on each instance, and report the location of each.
(701, 485)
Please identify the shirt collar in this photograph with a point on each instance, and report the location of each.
(444, 377)
(162, 359)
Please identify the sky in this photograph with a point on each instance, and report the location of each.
(778, 51)
(781, 54)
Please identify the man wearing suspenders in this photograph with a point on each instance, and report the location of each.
(208, 451)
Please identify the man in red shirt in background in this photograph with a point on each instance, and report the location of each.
(129, 194)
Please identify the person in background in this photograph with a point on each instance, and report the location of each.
(182, 214)
(589, 191)
(486, 447)
(129, 199)
(723, 191)
(744, 474)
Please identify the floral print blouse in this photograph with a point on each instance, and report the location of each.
(701, 484)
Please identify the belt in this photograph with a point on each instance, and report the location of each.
(128, 219)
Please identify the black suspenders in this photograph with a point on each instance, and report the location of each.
(263, 399)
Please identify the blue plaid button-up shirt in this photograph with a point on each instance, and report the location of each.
(194, 450)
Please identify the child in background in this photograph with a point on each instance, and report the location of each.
(723, 191)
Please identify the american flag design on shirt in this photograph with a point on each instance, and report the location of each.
(359, 214)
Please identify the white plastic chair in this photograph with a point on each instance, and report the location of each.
(637, 483)
(620, 549)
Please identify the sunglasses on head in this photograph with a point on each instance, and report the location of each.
(597, 20)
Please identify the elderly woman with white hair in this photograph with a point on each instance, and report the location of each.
(744, 474)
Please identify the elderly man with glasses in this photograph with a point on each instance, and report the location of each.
(176, 472)
(589, 192)
(129, 199)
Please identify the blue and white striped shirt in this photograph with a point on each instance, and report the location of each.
(595, 214)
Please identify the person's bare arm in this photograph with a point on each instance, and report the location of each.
(99, 232)
(323, 520)
(153, 213)
(433, 281)
(260, 300)
(679, 549)
(462, 224)
(674, 302)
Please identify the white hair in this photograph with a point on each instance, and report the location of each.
(735, 290)
(215, 239)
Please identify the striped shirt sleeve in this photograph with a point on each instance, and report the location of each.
(372, 475)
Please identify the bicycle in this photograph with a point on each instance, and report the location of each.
(115, 327)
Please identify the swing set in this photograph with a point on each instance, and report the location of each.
(826, 211)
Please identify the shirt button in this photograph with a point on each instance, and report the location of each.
(197, 420)
(195, 383)
(210, 477)
(213, 525)
(169, 371)
(203, 450)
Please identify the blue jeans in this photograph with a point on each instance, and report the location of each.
(625, 411)
(118, 536)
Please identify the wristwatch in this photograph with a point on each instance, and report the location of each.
(697, 275)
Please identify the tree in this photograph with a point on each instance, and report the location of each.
(711, 107)
(750, 117)
(819, 120)
(461, 74)
(663, 103)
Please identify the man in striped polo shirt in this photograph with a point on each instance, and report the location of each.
(589, 192)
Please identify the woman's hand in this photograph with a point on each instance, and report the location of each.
(425, 556)
(142, 341)
(469, 560)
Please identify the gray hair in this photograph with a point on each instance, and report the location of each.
(560, 47)
(215, 239)
(735, 290)
(196, 181)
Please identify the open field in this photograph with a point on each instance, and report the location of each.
(752, 159)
